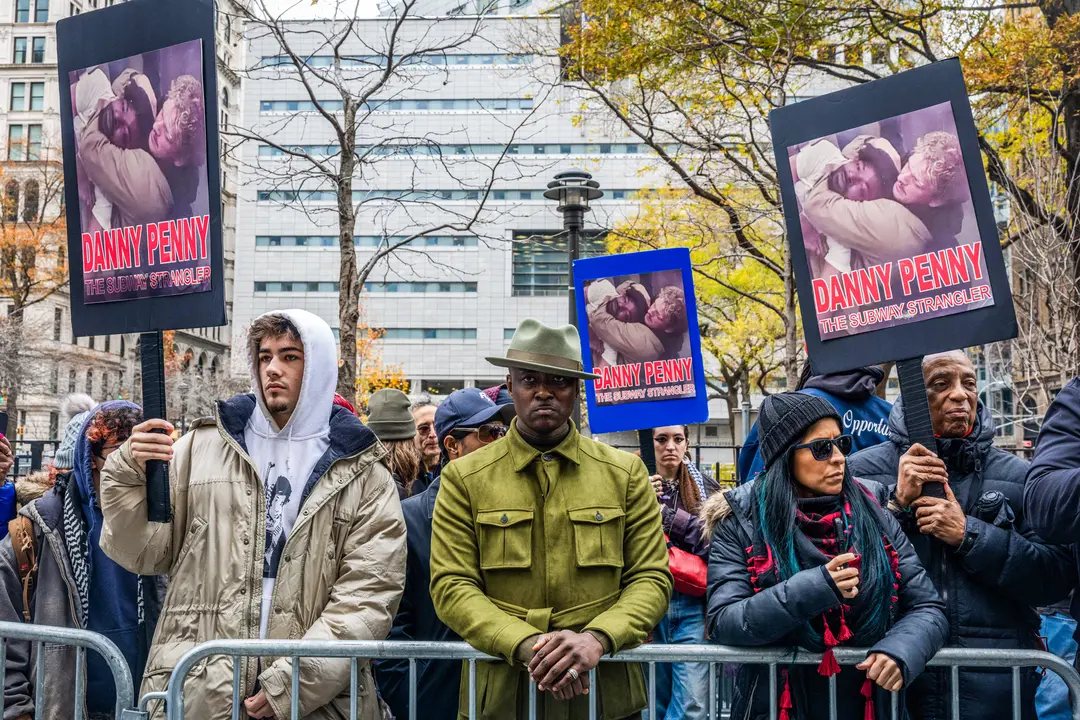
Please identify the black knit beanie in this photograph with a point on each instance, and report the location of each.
(784, 418)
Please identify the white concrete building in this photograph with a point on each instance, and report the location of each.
(453, 298)
(30, 153)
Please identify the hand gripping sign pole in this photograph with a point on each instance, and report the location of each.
(917, 413)
(158, 508)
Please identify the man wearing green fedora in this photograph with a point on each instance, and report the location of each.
(548, 548)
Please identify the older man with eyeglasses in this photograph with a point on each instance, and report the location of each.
(465, 422)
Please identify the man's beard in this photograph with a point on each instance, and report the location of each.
(278, 406)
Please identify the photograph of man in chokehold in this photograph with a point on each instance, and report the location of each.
(888, 224)
(140, 141)
(637, 318)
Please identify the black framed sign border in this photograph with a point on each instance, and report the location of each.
(110, 34)
(906, 92)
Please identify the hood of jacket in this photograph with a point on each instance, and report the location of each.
(83, 470)
(719, 506)
(311, 418)
(982, 434)
(853, 386)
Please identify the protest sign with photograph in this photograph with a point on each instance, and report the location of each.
(639, 333)
(138, 117)
(892, 232)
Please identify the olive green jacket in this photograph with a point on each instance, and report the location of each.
(524, 543)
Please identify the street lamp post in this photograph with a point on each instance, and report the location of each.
(573, 190)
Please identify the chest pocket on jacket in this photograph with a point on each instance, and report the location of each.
(505, 539)
(598, 536)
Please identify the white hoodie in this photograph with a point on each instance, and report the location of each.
(286, 456)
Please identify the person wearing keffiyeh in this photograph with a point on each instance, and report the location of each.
(77, 585)
(682, 689)
(804, 555)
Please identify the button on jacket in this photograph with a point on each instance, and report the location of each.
(526, 542)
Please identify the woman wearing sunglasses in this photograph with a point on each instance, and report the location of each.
(805, 556)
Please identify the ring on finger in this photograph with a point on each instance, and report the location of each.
(573, 674)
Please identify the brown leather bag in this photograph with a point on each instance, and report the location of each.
(22, 541)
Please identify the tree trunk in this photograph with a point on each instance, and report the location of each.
(732, 400)
(349, 284)
(12, 408)
(791, 326)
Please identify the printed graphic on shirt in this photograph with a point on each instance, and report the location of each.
(278, 495)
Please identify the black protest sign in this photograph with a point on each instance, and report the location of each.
(141, 167)
(892, 233)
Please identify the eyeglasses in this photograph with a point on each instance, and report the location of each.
(487, 433)
(822, 449)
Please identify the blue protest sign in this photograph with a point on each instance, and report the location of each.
(639, 332)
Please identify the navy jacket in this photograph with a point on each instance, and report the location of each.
(990, 591)
(437, 680)
(1052, 493)
(865, 416)
(777, 615)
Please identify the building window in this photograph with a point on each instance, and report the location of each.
(508, 333)
(540, 264)
(71, 380)
(54, 380)
(16, 149)
(38, 49)
(11, 201)
(90, 342)
(712, 432)
(104, 385)
(22, 11)
(420, 287)
(90, 383)
(879, 53)
(33, 142)
(18, 96)
(31, 201)
(441, 387)
(57, 324)
(74, 10)
(108, 343)
(41, 11)
(37, 96)
(429, 334)
(123, 346)
(54, 425)
(19, 54)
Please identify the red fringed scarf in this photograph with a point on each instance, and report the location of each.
(820, 529)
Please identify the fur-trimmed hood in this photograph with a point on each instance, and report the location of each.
(715, 509)
(33, 486)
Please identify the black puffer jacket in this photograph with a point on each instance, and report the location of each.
(739, 614)
(990, 591)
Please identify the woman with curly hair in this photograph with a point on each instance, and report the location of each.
(804, 555)
(77, 585)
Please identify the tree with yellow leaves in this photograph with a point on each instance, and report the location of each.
(701, 76)
(33, 265)
(372, 373)
(740, 303)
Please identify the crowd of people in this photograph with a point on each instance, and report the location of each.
(491, 519)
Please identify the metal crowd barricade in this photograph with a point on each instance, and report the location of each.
(715, 655)
(81, 640)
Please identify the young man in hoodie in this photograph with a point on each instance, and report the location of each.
(65, 525)
(865, 416)
(286, 524)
